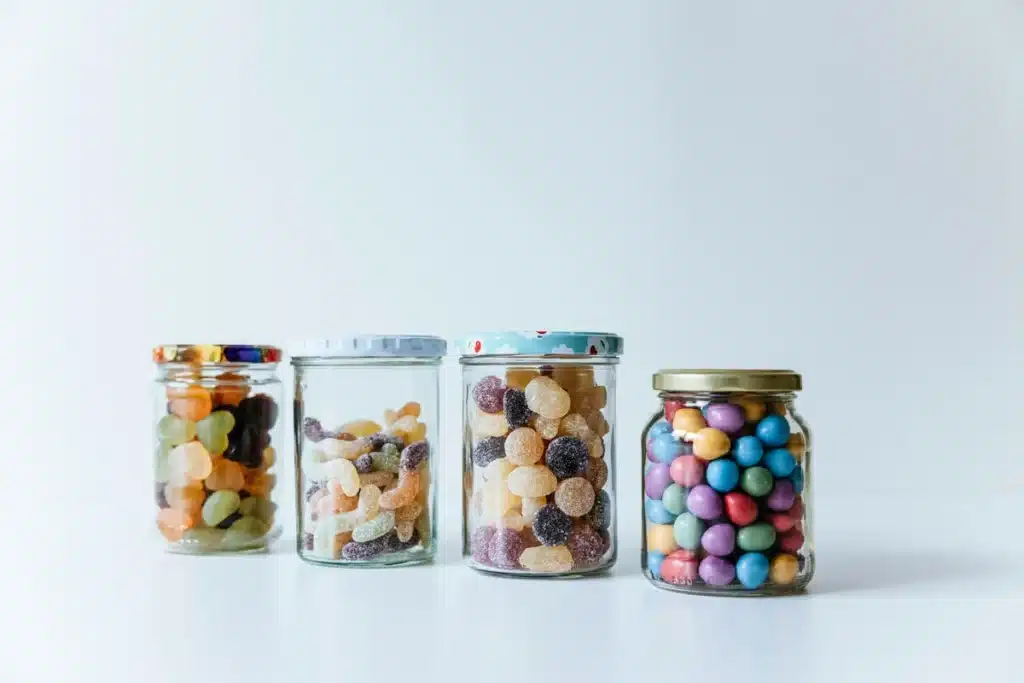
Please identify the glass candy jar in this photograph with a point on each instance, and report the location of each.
(538, 452)
(216, 429)
(366, 438)
(726, 484)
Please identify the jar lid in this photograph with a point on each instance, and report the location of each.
(541, 343)
(370, 346)
(215, 353)
(727, 380)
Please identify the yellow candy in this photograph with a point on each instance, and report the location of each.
(548, 429)
(546, 398)
(532, 481)
(797, 444)
(530, 506)
(410, 408)
(710, 443)
(390, 416)
(784, 569)
(688, 420)
(518, 378)
(488, 424)
(359, 428)
(418, 433)
(555, 558)
(576, 425)
(522, 447)
(753, 408)
(660, 538)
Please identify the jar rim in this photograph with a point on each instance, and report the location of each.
(510, 343)
(214, 354)
(705, 379)
(354, 346)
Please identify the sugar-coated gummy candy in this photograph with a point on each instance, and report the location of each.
(574, 497)
(597, 473)
(379, 479)
(517, 412)
(174, 431)
(657, 513)
(190, 403)
(716, 571)
(726, 417)
(532, 481)
(487, 424)
(173, 523)
(389, 542)
(219, 505)
(409, 428)
(547, 428)
(488, 450)
(388, 459)
(364, 463)
(674, 499)
(408, 513)
(550, 559)
(378, 441)
(546, 398)
(312, 429)
(504, 548)
(307, 541)
(518, 378)
(404, 493)
(595, 447)
(345, 473)
(710, 443)
(585, 545)
(478, 543)
(600, 516)
(752, 570)
(719, 539)
(530, 506)
(225, 474)
(551, 526)
(656, 480)
(360, 428)
(723, 475)
(576, 425)
(597, 423)
(410, 408)
(784, 569)
(404, 530)
(566, 456)
(757, 481)
(654, 560)
(773, 431)
(748, 451)
(374, 528)
(782, 496)
(489, 394)
(756, 537)
(680, 568)
(687, 471)
(688, 420)
(740, 508)
(414, 454)
(687, 530)
(512, 520)
(498, 470)
(704, 502)
(523, 446)
(314, 487)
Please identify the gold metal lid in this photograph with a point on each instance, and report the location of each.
(727, 380)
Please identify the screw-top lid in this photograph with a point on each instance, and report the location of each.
(370, 346)
(541, 343)
(194, 354)
(727, 380)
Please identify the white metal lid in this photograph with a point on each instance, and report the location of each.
(370, 346)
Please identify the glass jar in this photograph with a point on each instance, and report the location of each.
(538, 452)
(726, 484)
(216, 428)
(366, 437)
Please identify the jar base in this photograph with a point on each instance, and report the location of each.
(588, 572)
(408, 558)
(734, 590)
(219, 544)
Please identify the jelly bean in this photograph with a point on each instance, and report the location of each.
(704, 502)
(719, 539)
(600, 516)
(187, 498)
(753, 408)
(780, 462)
(679, 568)
(757, 481)
(575, 497)
(404, 493)
(773, 431)
(174, 431)
(203, 539)
(532, 481)
(161, 499)
(504, 548)
(687, 531)
(674, 499)
(723, 475)
(161, 464)
(230, 389)
(687, 471)
(597, 473)
(190, 403)
(657, 480)
(489, 394)
(550, 559)
(791, 541)
(688, 421)
(226, 475)
(654, 560)
(219, 505)
(576, 425)
(671, 407)
(710, 443)
(547, 428)
(716, 571)
(666, 448)
(726, 417)
(374, 528)
(246, 444)
(758, 537)
(523, 446)
(546, 398)
(657, 513)
(345, 473)
(173, 523)
(784, 569)
(782, 496)
(248, 526)
(530, 506)
(518, 378)
(566, 457)
(797, 477)
(740, 508)
(414, 454)
(752, 570)
(748, 451)
(797, 445)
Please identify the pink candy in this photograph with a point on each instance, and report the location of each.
(687, 471)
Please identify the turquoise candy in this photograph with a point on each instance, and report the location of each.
(797, 477)
(657, 512)
(654, 560)
(780, 461)
(674, 499)
(752, 570)
(756, 537)
(687, 530)
(757, 481)
(773, 431)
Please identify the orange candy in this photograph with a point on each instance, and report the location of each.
(185, 498)
(173, 523)
(260, 483)
(230, 390)
(226, 475)
(191, 403)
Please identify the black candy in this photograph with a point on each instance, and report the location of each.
(551, 526)
(517, 413)
(246, 445)
(566, 456)
(259, 410)
(600, 516)
(229, 520)
(489, 450)
(414, 454)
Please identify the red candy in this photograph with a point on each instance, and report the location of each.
(791, 541)
(671, 407)
(797, 511)
(740, 508)
(687, 471)
(679, 567)
(781, 521)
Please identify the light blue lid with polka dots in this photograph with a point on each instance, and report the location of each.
(370, 346)
(540, 343)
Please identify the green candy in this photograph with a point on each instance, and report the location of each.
(756, 537)
(674, 499)
(203, 539)
(386, 459)
(175, 431)
(244, 534)
(757, 481)
(259, 508)
(251, 526)
(219, 506)
(687, 530)
(213, 430)
(161, 463)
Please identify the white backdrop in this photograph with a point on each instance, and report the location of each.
(829, 187)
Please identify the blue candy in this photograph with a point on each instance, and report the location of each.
(654, 560)
(752, 569)
(797, 477)
(656, 512)
(665, 448)
(723, 475)
(773, 431)
(747, 450)
(780, 461)
(658, 428)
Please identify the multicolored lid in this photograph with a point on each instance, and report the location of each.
(370, 346)
(195, 354)
(541, 343)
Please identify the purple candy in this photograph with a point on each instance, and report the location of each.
(704, 502)
(719, 540)
(782, 496)
(479, 542)
(725, 416)
(716, 572)
(650, 452)
(657, 480)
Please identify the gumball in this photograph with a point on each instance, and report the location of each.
(716, 572)
(797, 477)
(740, 508)
(726, 417)
(679, 569)
(687, 531)
(757, 481)
(687, 471)
(666, 448)
(671, 407)
(752, 570)
(780, 462)
(688, 420)
(756, 537)
(723, 475)
(710, 443)
(661, 538)
(658, 428)
(657, 513)
(784, 569)
(719, 539)
(773, 431)
(747, 450)
(704, 502)
(654, 560)
(674, 499)
(782, 496)
(657, 480)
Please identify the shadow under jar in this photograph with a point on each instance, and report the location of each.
(538, 452)
(366, 436)
(726, 484)
(216, 429)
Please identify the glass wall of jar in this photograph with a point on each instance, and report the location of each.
(538, 452)
(727, 484)
(216, 434)
(366, 439)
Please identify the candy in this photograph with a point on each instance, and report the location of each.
(797, 477)
(758, 537)
(656, 480)
(740, 508)
(574, 497)
(246, 444)
(404, 493)
(687, 531)
(378, 441)
(489, 394)
(752, 570)
(188, 498)
(523, 446)
(547, 428)
(259, 507)
(773, 430)
(757, 481)
(381, 480)
(361, 428)
(657, 429)
(213, 430)
(488, 450)
(597, 473)
(504, 548)
(312, 429)
(723, 475)
(190, 403)
(345, 473)
(661, 538)
(780, 462)
(576, 425)
(710, 443)
(674, 499)
(546, 398)
(679, 568)
(600, 516)
(753, 408)
(598, 424)
(364, 463)
(246, 527)
(374, 528)
(716, 572)
(657, 513)
(478, 544)
(687, 471)
(517, 412)
(665, 448)
(189, 461)
(174, 431)
(498, 470)
(704, 502)
(356, 551)
(530, 506)
(259, 410)
(585, 545)
(410, 408)
(782, 496)
(671, 407)
(219, 505)
(226, 475)
(551, 526)
(791, 541)
(654, 560)
(797, 445)
(784, 569)
(549, 559)
(413, 455)
(388, 459)
(595, 447)
(486, 424)
(518, 378)
(748, 451)
(688, 421)
(231, 388)
(726, 417)
(719, 539)
(566, 456)
(173, 523)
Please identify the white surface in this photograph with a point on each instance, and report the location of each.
(833, 187)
